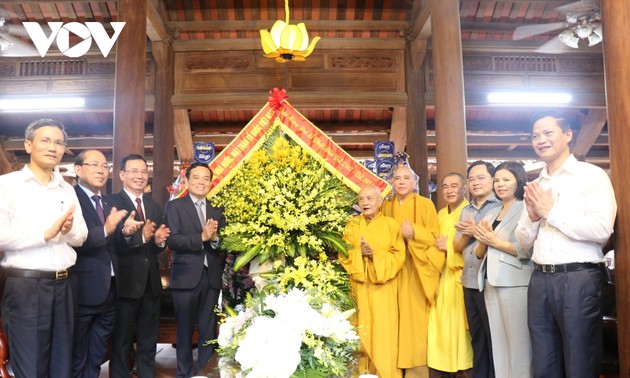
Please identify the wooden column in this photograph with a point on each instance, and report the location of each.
(448, 69)
(163, 130)
(415, 52)
(130, 78)
(615, 16)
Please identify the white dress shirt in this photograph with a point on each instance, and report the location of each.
(27, 210)
(580, 221)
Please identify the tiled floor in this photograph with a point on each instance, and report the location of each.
(165, 362)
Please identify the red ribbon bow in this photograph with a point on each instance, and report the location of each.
(277, 97)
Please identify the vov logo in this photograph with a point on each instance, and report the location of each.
(61, 32)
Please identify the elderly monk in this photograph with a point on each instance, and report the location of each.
(450, 348)
(373, 262)
(419, 278)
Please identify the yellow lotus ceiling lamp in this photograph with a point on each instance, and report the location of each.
(287, 42)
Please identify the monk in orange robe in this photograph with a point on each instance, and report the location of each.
(373, 262)
(420, 276)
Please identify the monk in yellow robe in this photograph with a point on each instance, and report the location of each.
(373, 263)
(450, 348)
(419, 278)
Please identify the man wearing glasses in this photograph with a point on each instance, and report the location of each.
(96, 266)
(40, 222)
(480, 186)
(137, 242)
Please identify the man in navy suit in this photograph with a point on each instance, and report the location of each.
(95, 268)
(138, 282)
(196, 275)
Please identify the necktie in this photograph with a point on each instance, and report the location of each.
(202, 218)
(139, 210)
(99, 208)
(200, 212)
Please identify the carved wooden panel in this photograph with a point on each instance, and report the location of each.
(352, 61)
(213, 61)
(477, 63)
(374, 81)
(52, 67)
(248, 71)
(520, 63)
(83, 85)
(213, 83)
(7, 69)
(584, 64)
(480, 81)
(101, 68)
(24, 86)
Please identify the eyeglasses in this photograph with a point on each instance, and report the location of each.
(95, 165)
(136, 172)
(47, 141)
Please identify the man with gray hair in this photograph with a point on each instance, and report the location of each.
(40, 222)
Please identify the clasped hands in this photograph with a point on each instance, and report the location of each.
(149, 230)
(366, 249)
(62, 225)
(481, 231)
(210, 230)
(538, 201)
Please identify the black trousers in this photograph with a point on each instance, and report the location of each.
(93, 327)
(140, 317)
(38, 316)
(195, 306)
(565, 323)
(483, 365)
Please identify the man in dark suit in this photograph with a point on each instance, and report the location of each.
(138, 282)
(196, 275)
(95, 268)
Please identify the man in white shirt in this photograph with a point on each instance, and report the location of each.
(40, 222)
(569, 215)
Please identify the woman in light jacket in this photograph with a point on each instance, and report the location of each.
(506, 271)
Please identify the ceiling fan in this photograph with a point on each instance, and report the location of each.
(11, 42)
(582, 28)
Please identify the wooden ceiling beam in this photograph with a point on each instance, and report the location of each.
(183, 135)
(17, 2)
(156, 30)
(311, 25)
(335, 100)
(398, 133)
(590, 130)
(246, 44)
(421, 25)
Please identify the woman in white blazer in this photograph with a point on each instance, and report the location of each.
(506, 271)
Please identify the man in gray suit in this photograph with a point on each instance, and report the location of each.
(196, 276)
(480, 177)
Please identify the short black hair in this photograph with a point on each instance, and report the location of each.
(561, 119)
(195, 165)
(519, 173)
(123, 163)
(488, 165)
